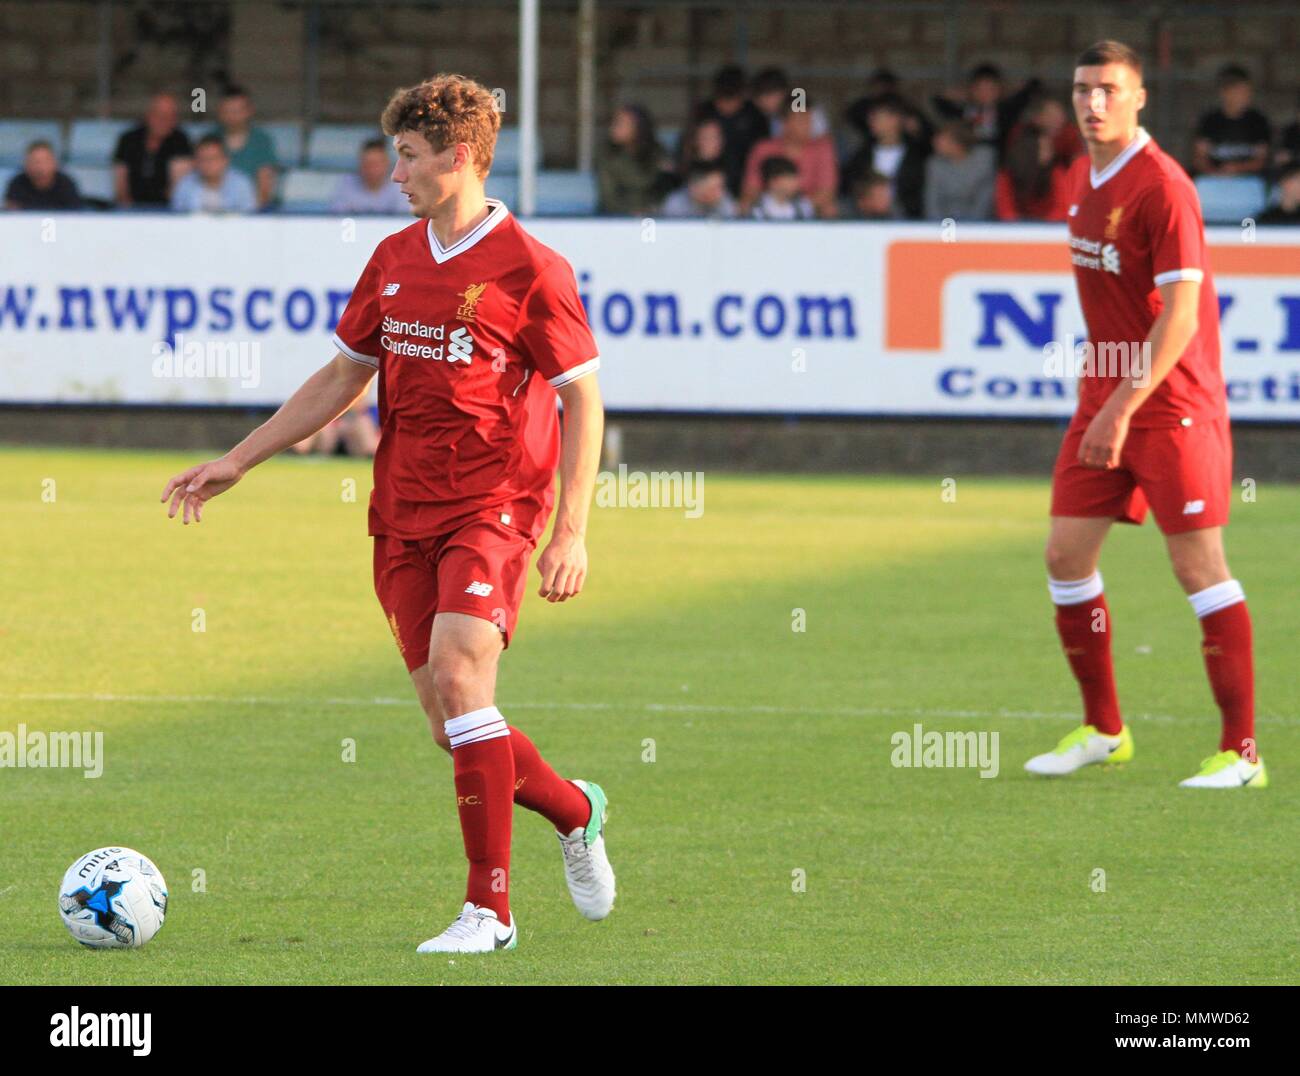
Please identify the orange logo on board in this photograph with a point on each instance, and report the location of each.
(471, 295)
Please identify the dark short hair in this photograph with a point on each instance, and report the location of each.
(40, 143)
(700, 169)
(769, 80)
(890, 102)
(375, 143)
(1289, 172)
(958, 130)
(985, 70)
(234, 91)
(729, 81)
(775, 167)
(1110, 52)
(210, 140)
(1232, 75)
(867, 180)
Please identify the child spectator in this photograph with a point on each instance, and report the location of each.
(871, 197)
(705, 196)
(782, 197)
(813, 158)
(889, 151)
(742, 123)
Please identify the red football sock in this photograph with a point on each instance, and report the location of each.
(541, 789)
(484, 768)
(1227, 646)
(1084, 628)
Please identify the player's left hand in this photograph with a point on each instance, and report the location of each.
(563, 565)
(1103, 440)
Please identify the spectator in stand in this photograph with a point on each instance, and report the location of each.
(986, 106)
(703, 142)
(353, 433)
(629, 172)
(249, 148)
(151, 158)
(1033, 183)
(773, 93)
(889, 151)
(959, 177)
(743, 124)
(782, 196)
(1288, 151)
(370, 189)
(813, 157)
(213, 186)
(1233, 139)
(872, 198)
(884, 83)
(705, 196)
(1287, 211)
(40, 185)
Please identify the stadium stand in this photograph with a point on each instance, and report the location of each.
(91, 142)
(1231, 199)
(17, 135)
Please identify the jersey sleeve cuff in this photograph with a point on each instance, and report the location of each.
(575, 372)
(1179, 274)
(355, 356)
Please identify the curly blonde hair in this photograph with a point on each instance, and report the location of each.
(448, 109)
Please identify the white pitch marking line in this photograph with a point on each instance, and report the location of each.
(650, 707)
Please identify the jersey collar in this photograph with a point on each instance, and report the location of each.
(445, 254)
(1126, 154)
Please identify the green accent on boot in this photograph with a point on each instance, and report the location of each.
(599, 809)
(1124, 752)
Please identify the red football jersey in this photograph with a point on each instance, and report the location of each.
(1134, 226)
(470, 343)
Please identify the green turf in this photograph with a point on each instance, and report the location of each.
(771, 747)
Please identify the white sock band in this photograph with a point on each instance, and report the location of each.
(484, 724)
(1220, 596)
(1076, 592)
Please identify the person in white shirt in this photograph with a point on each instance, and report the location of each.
(213, 186)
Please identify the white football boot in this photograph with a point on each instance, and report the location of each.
(1228, 769)
(1082, 747)
(476, 930)
(586, 866)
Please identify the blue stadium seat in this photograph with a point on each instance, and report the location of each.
(506, 158)
(287, 136)
(505, 187)
(305, 190)
(17, 135)
(1231, 199)
(93, 181)
(7, 172)
(566, 194)
(93, 141)
(337, 145)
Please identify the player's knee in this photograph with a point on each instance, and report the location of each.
(1196, 573)
(457, 676)
(1065, 564)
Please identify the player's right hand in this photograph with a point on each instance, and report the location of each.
(193, 487)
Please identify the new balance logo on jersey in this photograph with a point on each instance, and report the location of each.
(479, 590)
(391, 289)
(1193, 508)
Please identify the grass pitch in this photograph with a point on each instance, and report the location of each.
(769, 840)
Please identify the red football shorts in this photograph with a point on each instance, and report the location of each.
(480, 569)
(1183, 473)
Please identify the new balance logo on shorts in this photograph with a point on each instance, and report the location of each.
(481, 590)
(391, 289)
(1192, 508)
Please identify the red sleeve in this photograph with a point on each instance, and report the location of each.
(552, 328)
(358, 332)
(1172, 217)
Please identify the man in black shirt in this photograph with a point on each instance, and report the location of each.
(742, 122)
(1287, 210)
(40, 185)
(1233, 140)
(151, 157)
